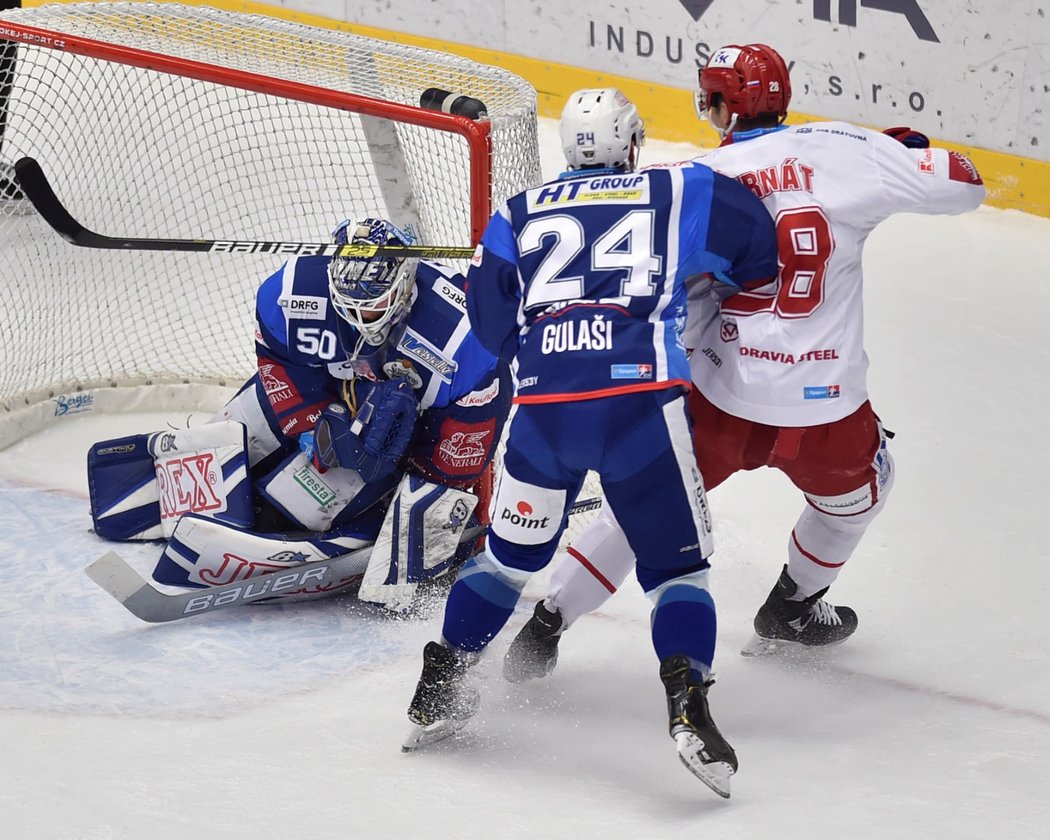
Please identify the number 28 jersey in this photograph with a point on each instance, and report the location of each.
(581, 283)
(791, 353)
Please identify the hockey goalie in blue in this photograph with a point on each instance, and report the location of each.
(581, 284)
(374, 411)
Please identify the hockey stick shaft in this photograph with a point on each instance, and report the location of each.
(38, 190)
(142, 599)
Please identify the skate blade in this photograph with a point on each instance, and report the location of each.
(758, 646)
(714, 774)
(783, 647)
(424, 736)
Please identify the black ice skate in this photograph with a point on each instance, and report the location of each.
(442, 703)
(701, 747)
(534, 651)
(811, 622)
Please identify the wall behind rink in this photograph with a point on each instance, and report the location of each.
(968, 70)
(970, 73)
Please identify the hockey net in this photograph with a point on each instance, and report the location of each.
(162, 120)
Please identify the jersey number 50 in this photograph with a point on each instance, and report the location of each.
(804, 246)
(317, 342)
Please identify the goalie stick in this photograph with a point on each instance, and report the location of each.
(145, 601)
(38, 190)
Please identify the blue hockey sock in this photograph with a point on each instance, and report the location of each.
(684, 622)
(480, 602)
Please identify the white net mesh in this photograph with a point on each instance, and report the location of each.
(139, 153)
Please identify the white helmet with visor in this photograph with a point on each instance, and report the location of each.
(371, 293)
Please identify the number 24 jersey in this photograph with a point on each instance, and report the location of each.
(582, 282)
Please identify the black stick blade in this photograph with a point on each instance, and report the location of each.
(35, 185)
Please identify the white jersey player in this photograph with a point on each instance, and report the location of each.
(779, 372)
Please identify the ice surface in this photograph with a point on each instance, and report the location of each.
(286, 722)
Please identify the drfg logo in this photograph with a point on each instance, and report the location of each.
(190, 485)
(847, 13)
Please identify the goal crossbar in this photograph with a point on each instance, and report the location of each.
(475, 133)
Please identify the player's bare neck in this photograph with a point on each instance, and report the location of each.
(761, 121)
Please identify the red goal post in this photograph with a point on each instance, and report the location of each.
(162, 120)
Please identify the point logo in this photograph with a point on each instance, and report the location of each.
(524, 518)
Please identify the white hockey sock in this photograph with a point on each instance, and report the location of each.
(820, 545)
(593, 568)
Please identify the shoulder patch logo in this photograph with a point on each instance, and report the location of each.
(414, 345)
(403, 369)
(451, 293)
(306, 307)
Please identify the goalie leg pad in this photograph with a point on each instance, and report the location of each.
(140, 485)
(419, 540)
(203, 552)
(320, 502)
(122, 486)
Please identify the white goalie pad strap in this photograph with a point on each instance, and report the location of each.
(309, 497)
(203, 552)
(202, 470)
(418, 540)
(245, 408)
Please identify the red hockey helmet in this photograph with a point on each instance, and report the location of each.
(752, 79)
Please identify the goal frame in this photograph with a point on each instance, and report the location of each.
(477, 134)
(484, 155)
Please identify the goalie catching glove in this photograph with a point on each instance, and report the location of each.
(371, 433)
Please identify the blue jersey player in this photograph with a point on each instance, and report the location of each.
(373, 410)
(581, 285)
